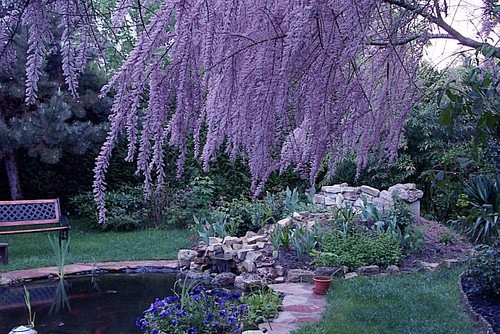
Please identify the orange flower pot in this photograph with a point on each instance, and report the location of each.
(321, 284)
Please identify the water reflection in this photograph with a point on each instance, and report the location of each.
(103, 304)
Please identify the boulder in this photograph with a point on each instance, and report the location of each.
(247, 281)
(224, 279)
(267, 272)
(368, 270)
(185, 257)
(299, 275)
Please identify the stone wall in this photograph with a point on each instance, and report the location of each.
(340, 195)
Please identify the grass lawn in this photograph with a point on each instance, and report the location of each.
(417, 303)
(34, 250)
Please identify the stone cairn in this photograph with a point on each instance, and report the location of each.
(247, 261)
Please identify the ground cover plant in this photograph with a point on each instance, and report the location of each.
(423, 303)
(34, 250)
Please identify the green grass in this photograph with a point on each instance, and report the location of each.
(417, 303)
(34, 250)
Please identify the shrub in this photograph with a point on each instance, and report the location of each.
(484, 270)
(355, 250)
(200, 311)
(126, 209)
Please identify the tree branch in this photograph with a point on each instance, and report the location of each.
(437, 20)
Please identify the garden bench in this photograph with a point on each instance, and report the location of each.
(33, 216)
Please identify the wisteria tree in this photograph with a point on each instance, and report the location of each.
(280, 83)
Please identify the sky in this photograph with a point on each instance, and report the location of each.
(465, 17)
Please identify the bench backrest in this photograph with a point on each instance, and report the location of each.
(26, 212)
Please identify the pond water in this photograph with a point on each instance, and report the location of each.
(99, 304)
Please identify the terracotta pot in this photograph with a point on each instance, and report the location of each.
(321, 284)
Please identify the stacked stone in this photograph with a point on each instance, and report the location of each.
(250, 257)
(340, 195)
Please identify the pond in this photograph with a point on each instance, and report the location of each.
(99, 304)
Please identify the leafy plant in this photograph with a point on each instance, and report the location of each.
(481, 225)
(291, 200)
(275, 238)
(263, 305)
(61, 251)
(447, 238)
(304, 240)
(484, 270)
(355, 250)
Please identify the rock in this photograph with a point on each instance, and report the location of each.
(254, 256)
(198, 267)
(348, 189)
(350, 196)
(392, 269)
(200, 248)
(241, 254)
(330, 200)
(231, 240)
(370, 191)
(329, 271)
(214, 247)
(224, 279)
(214, 240)
(368, 270)
(299, 275)
(250, 234)
(261, 245)
(268, 273)
(340, 200)
(185, 257)
(280, 271)
(285, 222)
(249, 266)
(350, 275)
(335, 189)
(430, 266)
(451, 263)
(358, 203)
(296, 215)
(266, 263)
(227, 248)
(247, 281)
(415, 207)
(237, 246)
(279, 279)
(319, 199)
(199, 260)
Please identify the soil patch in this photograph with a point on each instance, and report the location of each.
(487, 307)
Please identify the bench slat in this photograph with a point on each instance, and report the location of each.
(29, 222)
(47, 229)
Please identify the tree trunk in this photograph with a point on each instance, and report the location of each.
(13, 175)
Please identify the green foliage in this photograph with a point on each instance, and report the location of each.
(263, 305)
(484, 270)
(291, 200)
(304, 240)
(481, 224)
(61, 251)
(27, 301)
(355, 250)
(447, 238)
(126, 209)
